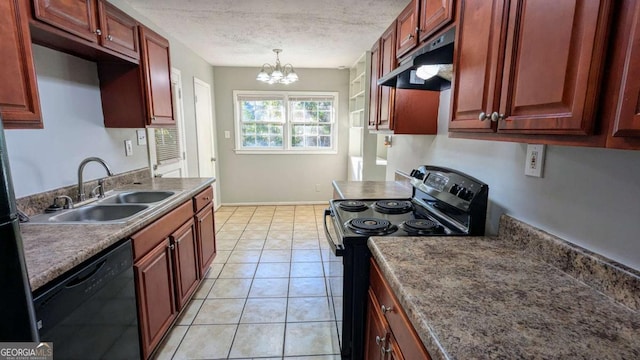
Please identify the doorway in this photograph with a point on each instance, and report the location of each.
(204, 132)
(166, 145)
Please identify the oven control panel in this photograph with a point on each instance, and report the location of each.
(447, 185)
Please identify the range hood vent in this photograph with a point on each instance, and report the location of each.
(435, 52)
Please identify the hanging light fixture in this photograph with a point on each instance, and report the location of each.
(277, 74)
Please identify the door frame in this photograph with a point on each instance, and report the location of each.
(211, 136)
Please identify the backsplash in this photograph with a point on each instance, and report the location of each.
(612, 278)
(35, 204)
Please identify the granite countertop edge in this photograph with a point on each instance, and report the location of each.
(49, 248)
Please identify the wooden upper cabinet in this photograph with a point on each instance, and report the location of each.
(553, 65)
(77, 17)
(434, 14)
(156, 68)
(407, 26)
(627, 112)
(538, 75)
(387, 63)
(477, 61)
(19, 101)
(374, 94)
(119, 30)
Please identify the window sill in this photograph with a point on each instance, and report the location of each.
(285, 152)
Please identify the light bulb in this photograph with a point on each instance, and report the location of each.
(426, 72)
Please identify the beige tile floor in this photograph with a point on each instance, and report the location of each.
(265, 295)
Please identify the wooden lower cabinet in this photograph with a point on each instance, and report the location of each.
(171, 257)
(206, 238)
(155, 293)
(185, 260)
(384, 312)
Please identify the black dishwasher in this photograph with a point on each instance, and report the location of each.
(90, 312)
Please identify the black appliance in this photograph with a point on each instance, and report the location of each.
(16, 304)
(90, 312)
(444, 202)
(438, 51)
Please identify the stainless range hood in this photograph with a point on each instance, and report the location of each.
(435, 52)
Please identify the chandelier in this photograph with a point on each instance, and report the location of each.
(277, 74)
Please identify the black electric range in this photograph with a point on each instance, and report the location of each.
(444, 202)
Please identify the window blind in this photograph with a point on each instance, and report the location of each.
(167, 144)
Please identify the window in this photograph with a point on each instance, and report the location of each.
(285, 122)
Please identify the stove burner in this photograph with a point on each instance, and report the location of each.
(353, 206)
(422, 226)
(371, 226)
(393, 206)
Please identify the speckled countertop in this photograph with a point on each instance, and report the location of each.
(52, 249)
(512, 297)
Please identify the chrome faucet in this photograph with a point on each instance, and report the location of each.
(81, 195)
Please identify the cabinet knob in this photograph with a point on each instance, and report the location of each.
(380, 340)
(172, 246)
(385, 309)
(409, 37)
(495, 116)
(109, 37)
(483, 116)
(153, 118)
(98, 32)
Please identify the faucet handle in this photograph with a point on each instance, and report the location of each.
(68, 202)
(98, 191)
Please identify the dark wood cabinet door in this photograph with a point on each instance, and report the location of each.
(478, 59)
(387, 63)
(376, 333)
(553, 65)
(157, 77)
(19, 100)
(155, 291)
(407, 26)
(434, 15)
(393, 350)
(374, 94)
(119, 30)
(416, 112)
(185, 262)
(627, 115)
(206, 238)
(77, 17)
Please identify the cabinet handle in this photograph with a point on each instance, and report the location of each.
(172, 247)
(409, 37)
(98, 32)
(380, 340)
(109, 37)
(495, 116)
(385, 309)
(483, 116)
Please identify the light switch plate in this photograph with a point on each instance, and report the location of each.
(534, 163)
(227, 134)
(142, 136)
(128, 148)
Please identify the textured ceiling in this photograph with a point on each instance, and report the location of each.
(312, 33)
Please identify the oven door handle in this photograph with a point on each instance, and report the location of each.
(337, 249)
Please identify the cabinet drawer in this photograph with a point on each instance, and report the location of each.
(202, 199)
(404, 333)
(147, 238)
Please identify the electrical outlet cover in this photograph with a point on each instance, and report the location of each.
(142, 136)
(534, 162)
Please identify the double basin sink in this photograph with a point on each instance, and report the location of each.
(115, 208)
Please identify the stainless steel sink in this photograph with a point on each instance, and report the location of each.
(99, 213)
(137, 197)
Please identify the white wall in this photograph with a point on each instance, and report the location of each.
(48, 158)
(277, 178)
(588, 196)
